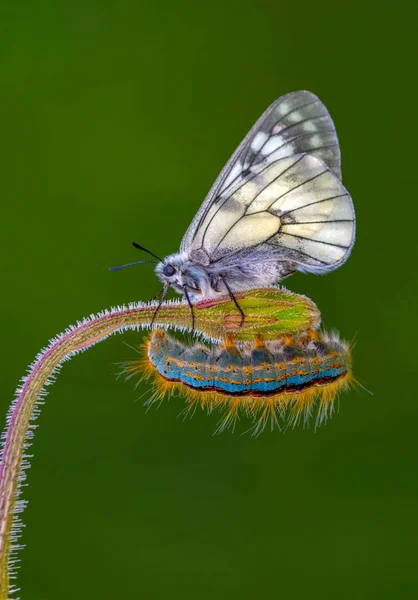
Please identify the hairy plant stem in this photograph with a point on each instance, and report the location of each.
(270, 311)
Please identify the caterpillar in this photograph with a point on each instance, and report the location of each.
(274, 381)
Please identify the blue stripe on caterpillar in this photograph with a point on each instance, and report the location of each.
(291, 364)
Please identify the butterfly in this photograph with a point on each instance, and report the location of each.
(277, 207)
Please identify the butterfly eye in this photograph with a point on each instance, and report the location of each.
(169, 270)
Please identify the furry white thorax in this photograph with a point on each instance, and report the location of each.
(206, 282)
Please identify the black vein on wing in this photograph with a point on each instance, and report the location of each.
(245, 182)
(270, 135)
(313, 222)
(248, 177)
(312, 118)
(306, 133)
(298, 186)
(245, 213)
(311, 151)
(272, 181)
(301, 237)
(294, 108)
(243, 154)
(312, 203)
(288, 192)
(267, 241)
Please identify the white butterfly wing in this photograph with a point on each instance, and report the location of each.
(280, 193)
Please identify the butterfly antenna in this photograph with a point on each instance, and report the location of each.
(135, 245)
(186, 293)
(234, 300)
(163, 295)
(141, 262)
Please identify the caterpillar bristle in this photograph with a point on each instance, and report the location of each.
(290, 381)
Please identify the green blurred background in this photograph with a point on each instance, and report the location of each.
(116, 117)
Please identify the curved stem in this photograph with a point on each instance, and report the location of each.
(269, 311)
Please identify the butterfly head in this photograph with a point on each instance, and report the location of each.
(179, 272)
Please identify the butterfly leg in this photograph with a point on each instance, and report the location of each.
(163, 295)
(234, 300)
(156, 295)
(186, 293)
